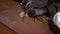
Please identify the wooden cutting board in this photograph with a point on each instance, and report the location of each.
(5, 30)
(12, 19)
(6, 4)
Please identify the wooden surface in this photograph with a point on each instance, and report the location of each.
(6, 4)
(10, 17)
(5, 30)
